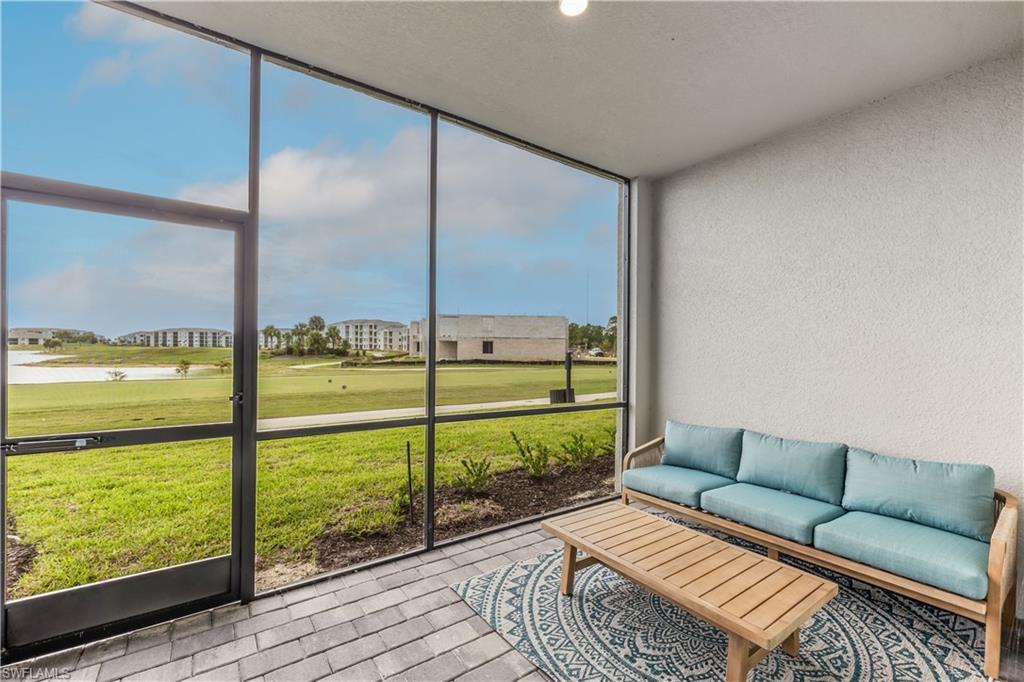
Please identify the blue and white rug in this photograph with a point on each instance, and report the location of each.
(612, 629)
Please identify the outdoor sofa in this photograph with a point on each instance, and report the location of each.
(937, 532)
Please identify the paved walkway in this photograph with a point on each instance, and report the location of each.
(400, 621)
(404, 412)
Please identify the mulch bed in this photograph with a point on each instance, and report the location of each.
(19, 556)
(511, 496)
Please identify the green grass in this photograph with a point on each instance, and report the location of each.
(112, 512)
(88, 406)
(89, 354)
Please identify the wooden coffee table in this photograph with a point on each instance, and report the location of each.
(759, 602)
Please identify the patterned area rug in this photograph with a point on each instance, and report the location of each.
(612, 629)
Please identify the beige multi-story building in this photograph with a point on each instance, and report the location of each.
(35, 336)
(179, 337)
(374, 334)
(505, 338)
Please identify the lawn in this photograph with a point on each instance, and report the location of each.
(112, 512)
(36, 409)
(138, 356)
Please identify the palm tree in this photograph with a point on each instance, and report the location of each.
(270, 333)
(316, 323)
(317, 344)
(299, 333)
(223, 364)
(333, 337)
(288, 337)
(183, 368)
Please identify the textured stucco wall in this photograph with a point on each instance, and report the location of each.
(858, 280)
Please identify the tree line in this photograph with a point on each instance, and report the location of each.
(307, 338)
(586, 337)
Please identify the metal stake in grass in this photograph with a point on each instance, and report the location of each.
(408, 471)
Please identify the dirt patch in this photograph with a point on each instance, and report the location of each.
(511, 496)
(275, 575)
(20, 556)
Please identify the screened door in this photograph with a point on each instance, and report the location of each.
(122, 406)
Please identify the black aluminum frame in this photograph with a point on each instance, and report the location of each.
(243, 428)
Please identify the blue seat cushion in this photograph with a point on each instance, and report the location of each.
(706, 448)
(795, 466)
(773, 511)
(953, 497)
(928, 555)
(676, 484)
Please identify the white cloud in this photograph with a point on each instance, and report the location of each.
(344, 233)
(155, 53)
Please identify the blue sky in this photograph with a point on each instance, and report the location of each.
(92, 95)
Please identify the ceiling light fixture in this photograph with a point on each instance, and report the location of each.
(572, 8)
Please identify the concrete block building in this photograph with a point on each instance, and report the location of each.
(503, 338)
(179, 337)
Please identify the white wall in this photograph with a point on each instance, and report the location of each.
(857, 280)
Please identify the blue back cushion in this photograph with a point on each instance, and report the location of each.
(814, 470)
(952, 497)
(706, 448)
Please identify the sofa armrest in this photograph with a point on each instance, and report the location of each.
(1002, 554)
(636, 453)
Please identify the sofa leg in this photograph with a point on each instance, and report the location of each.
(993, 641)
(625, 497)
(773, 554)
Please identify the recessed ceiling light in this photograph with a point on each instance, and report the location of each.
(572, 8)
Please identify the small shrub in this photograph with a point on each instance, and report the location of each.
(536, 458)
(116, 374)
(609, 445)
(369, 521)
(476, 474)
(577, 452)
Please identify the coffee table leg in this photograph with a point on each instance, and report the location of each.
(737, 663)
(791, 645)
(568, 568)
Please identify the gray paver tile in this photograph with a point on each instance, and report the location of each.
(310, 606)
(102, 651)
(356, 651)
(481, 650)
(206, 639)
(450, 637)
(168, 672)
(251, 626)
(402, 633)
(265, 604)
(375, 622)
(322, 640)
(306, 670)
(428, 602)
(423, 586)
(143, 639)
(283, 633)
(121, 666)
(361, 672)
(190, 625)
(331, 617)
(394, 661)
(223, 654)
(450, 614)
(227, 673)
(270, 659)
(230, 614)
(440, 669)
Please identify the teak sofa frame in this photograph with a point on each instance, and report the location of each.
(997, 609)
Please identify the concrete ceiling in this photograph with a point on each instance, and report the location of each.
(637, 88)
